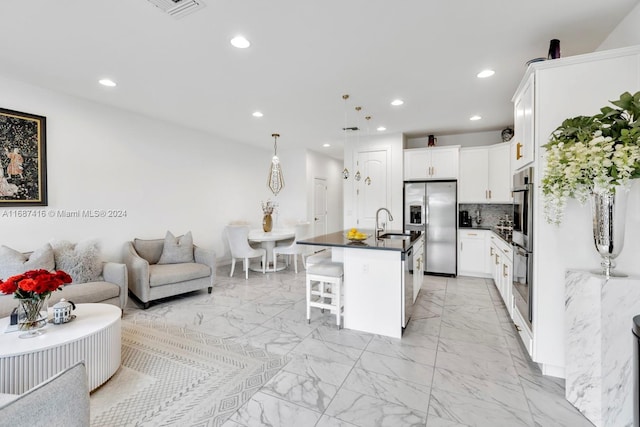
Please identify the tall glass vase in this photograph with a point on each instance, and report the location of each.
(609, 212)
(32, 316)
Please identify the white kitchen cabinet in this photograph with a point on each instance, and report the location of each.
(485, 175)
(431, 163)
(473, 184)
(523, 142)
(501, 259)
(418, 266)
(472, 247)
(500, 174)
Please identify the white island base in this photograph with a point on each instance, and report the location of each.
(600, 346)
(372, 290)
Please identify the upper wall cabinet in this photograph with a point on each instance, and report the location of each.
(431, 163)
(485, 175)
(523, 142)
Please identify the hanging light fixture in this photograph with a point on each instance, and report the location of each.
(275, 180)
(357, 176)
(345, 172)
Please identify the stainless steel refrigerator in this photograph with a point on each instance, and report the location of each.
(431, 207)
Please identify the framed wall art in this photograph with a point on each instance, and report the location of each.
(23, 159)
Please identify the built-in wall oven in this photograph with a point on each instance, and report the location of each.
(523, 243)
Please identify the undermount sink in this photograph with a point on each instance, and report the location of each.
(400, 236)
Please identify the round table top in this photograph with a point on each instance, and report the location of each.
(259, 235)
(89, 319)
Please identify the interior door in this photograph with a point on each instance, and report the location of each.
(371, 189)
(319, 206)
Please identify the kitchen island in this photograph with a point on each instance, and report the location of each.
(379, 287)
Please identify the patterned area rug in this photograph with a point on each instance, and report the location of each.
(176, 376)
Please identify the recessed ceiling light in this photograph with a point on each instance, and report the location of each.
(107, 82)
(326, 145)
(381, 128)
(474, 118)
(397, 102)
(485, 73)
(240, 42)
(257, 114)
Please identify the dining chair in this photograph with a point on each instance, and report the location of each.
(237, 235)
(293, 249)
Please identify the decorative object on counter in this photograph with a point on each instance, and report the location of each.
(275, 181)
(33, 289)
(554, 49)
(506, 134)
(432, 141)
(596, 156)
(267, 211)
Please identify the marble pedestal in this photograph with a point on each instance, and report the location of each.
(600, 346)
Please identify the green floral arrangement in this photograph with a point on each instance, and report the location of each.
(592, 154)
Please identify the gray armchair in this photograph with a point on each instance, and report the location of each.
(150, 281)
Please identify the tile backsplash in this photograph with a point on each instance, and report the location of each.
(490, 213)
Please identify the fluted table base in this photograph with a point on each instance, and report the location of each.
(93, 336)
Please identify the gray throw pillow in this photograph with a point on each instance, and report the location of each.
(177, 249)
(81, 261)
(13, 262)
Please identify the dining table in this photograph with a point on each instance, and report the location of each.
(268, 240)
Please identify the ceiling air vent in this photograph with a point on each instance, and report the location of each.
(178, 8)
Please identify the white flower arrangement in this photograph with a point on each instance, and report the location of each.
(268, 207)
(592, 155)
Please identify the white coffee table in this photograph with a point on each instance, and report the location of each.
(93, 336)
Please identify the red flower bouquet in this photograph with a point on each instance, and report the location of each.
(34, 284)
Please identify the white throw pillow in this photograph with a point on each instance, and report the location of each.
(177, 250)
(13, 262)
(81, 261)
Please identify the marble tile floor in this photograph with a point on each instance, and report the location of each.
(459, 363)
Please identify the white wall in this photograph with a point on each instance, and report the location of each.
(321, 166)
(627, 33)
(164, 176)
(472, 139)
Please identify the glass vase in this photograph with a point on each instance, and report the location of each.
(32, 316)
(267, 223)
(609, 215)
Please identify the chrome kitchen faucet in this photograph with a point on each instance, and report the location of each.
(378, 228)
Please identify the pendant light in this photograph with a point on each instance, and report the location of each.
(275, 179)
(345, 171)
(358, 176)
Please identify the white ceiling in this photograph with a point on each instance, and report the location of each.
(304, 56)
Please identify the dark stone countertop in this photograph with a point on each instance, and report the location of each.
(339, 239)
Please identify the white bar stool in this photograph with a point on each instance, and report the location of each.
(324, 280)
